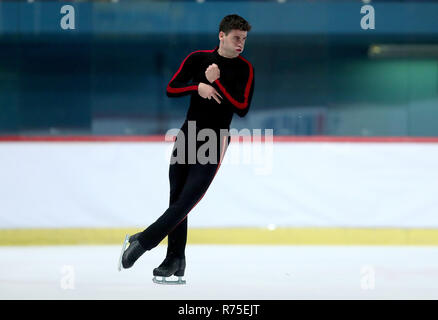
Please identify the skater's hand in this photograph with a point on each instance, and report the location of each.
(212, 73)
(207, 92)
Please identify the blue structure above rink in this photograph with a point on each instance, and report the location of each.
(144, 17)
(318, 71)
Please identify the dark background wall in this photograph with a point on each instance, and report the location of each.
(317, 71)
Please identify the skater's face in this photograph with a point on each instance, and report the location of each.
(232, 43)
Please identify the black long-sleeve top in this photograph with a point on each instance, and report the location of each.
(235, 85)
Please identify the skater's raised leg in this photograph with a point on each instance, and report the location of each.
(198, 181)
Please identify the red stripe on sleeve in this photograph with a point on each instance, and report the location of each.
(237, 104)
(189, 88)
(179, 90)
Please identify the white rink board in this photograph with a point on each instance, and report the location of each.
(125, 184)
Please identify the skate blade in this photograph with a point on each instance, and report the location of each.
(123, 250)
(163, 280)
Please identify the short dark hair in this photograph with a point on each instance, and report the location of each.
(234, 22)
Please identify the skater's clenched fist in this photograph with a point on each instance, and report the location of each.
(212, 73)
(207, 92)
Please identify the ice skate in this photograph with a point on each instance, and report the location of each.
(134, 237)
(171, 266)
(130, 255)
(125, 243)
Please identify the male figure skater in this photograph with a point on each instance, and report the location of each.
(220, 82)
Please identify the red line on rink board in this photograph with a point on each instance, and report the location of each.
(262, 138)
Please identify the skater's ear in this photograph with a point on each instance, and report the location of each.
(221, 35)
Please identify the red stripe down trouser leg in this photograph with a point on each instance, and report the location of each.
(188, 185)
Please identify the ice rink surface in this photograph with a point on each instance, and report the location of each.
(223, 273)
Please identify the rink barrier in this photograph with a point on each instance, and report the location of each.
(162, 138)
(229, 236)
(328, 235)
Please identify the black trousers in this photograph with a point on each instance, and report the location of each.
(189, 182)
